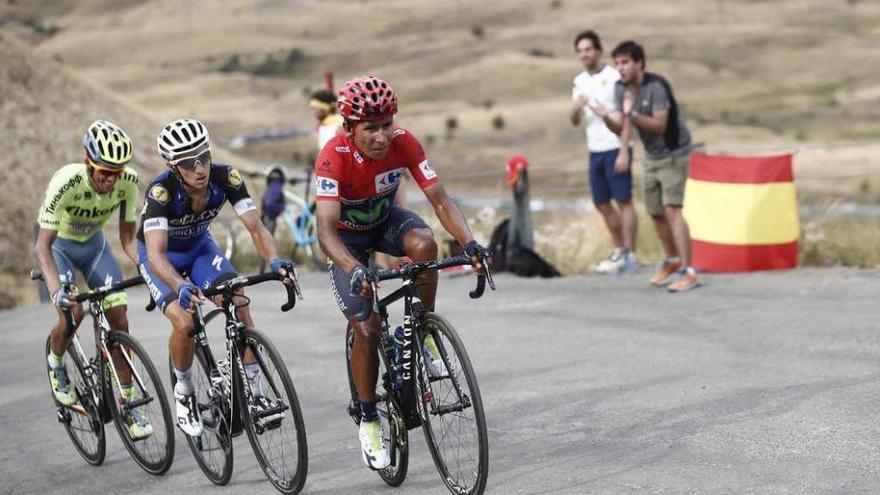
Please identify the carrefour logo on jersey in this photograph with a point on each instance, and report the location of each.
(387, 180)
(327, 187)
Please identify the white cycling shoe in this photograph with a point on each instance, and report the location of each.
(188, 417)
(373, 446)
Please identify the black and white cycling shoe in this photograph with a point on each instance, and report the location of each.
(188, 418)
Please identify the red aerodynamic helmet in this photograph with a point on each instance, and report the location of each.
(366, 98)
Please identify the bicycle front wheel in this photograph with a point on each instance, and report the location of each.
(155, 451)
(453, 419)
(82, 420)
(393, 424)
(213, 448)
(271, 414)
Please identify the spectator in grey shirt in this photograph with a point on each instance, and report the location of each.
(645, 101)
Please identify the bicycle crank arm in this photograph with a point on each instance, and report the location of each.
(128, 406)
(270, 412)
(460, 406)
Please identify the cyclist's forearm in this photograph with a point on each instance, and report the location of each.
(165, 271)
(126, 238)
(453, 220)
(265, 243)
(47, 264)
(333, 246)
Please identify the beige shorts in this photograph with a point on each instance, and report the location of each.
(664, 182)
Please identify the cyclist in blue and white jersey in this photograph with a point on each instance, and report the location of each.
(173, 238)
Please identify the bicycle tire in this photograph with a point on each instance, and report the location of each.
(390, 413)
(219, 438)
(142, 450)
(289, 481)
(82, 425)
(447, 340)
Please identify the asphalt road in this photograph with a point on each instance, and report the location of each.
(766, 384)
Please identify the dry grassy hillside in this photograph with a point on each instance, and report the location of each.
(765, 72)
(45, 109)
(751, 75)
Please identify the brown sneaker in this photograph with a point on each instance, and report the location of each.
(687, 281)
(664, 276)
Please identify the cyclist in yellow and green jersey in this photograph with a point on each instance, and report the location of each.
(80, 199)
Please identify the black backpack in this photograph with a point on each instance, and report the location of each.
(519, 261)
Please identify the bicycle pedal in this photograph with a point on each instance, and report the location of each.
(63, 415)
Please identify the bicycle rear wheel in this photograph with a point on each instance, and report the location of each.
(277, 434)
(213, 448)
(391, 417)
(82, 421)
(154, 453)
(454, 422)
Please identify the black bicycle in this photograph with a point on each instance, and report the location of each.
(427, 381)
(98, 385)
(229, 402)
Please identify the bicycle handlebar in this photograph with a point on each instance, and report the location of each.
(93, 294)
(292, 180)
(229, 286)
(414, 269)
(97, 292)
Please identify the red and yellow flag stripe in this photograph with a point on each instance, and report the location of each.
(742, 212)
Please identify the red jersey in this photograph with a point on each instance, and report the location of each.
(365, 187)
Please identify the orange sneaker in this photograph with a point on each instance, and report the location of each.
(687, 281)
(664, 276)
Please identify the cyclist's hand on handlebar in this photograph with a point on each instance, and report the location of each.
(359, 281)
(479, 255)
(188, 296)
(284, 267)
(62, 299)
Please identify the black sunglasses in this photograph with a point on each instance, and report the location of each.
(191, 162)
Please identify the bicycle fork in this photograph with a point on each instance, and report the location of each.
(102, 333)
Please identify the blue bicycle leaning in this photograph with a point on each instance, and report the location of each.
(280, 204)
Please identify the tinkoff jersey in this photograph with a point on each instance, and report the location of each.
(76, 211)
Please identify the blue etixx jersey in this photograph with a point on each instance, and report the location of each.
(168, 206)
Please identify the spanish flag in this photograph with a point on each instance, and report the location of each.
(742, 213)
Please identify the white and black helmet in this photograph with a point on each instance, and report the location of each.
(181, 138)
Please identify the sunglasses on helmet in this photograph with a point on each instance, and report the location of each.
(191, 162)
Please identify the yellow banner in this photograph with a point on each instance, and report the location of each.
(742, 214)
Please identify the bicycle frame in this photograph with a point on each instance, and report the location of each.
(221, 372)
(412, 366)
(94, 366)
(102, 332)
(298, 221)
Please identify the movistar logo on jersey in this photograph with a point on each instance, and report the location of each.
(361, 218)
(94, 212)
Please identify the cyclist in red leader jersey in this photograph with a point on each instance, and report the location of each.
(357, 176)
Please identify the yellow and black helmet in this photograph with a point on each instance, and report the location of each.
(107, 145)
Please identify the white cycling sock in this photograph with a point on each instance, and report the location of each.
(54, 360)
(184, 384)
(252, 370)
